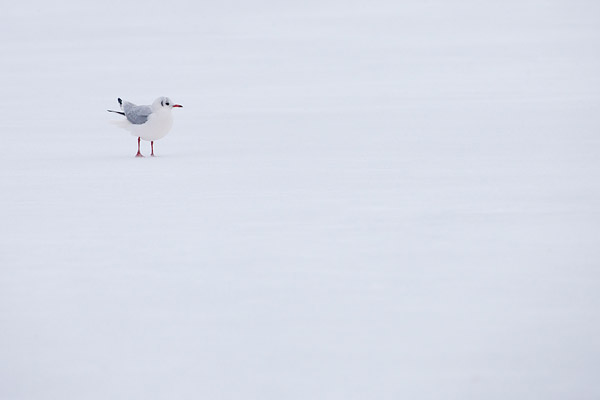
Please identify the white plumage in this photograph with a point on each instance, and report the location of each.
(149, 123)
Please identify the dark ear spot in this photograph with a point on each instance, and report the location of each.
(161, 103)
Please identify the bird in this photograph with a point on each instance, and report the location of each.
(149, 123)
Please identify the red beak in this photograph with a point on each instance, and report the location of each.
(177, 105)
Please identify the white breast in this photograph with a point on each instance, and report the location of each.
(158, 125)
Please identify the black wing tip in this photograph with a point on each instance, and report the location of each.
(116, 112)
(120, 101)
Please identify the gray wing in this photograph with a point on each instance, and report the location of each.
(136, 114)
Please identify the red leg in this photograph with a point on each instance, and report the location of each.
(152, 146)
(139, 153)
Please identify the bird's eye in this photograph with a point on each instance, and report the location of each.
(167, 103)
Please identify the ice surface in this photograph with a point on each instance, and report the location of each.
(359, 200)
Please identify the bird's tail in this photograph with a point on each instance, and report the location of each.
(121, 123)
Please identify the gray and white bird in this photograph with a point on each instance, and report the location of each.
(149, 123)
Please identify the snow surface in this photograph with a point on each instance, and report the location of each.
(359, 200)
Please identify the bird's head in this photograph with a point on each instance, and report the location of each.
(164, 103)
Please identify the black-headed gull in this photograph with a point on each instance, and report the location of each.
(147, 122)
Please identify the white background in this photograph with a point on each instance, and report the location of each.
(359, 200)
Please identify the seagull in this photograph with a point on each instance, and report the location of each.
(147, 122)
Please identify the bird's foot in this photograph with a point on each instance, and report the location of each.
(139, 154)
